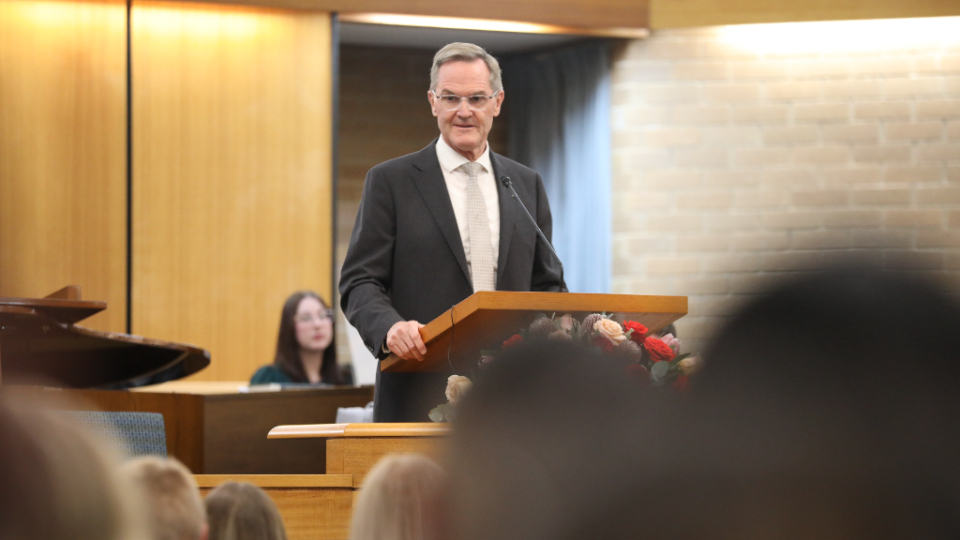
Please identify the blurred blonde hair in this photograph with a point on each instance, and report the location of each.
(57, 482)
(397, 498)
(175, 510)
(243, 511)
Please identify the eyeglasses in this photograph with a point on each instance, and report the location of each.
(451, 102)
(324, 315)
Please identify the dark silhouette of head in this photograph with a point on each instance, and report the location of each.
(538, 439)
(828, 407)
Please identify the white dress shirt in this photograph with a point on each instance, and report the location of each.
(456, 180)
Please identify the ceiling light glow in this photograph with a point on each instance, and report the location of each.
(486, 25)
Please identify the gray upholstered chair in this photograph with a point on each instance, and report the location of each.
(137, 433)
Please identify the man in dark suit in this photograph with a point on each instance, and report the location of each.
(437, 225)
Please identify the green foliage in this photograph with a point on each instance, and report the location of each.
(659, 371)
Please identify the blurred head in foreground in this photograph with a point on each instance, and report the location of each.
(827, 408)
(539, 440)
(243, 511)
(57, 482)
(399, 500)
(172, 499)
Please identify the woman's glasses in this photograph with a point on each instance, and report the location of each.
(322, 316)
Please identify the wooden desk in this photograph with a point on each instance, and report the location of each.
(324, 511)
(235, 426)
(213, 429)
(319, 507)
(314, 507)
(355, 448)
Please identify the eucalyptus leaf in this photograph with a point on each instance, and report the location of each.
(659, 370)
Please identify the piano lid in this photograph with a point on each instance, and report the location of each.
(40, 344)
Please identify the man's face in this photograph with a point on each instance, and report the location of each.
(465, 129)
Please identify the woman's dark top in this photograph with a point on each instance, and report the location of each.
(269, 374)
(273, 374)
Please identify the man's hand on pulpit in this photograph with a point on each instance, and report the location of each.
(404, 340)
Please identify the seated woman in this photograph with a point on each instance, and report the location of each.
(242, 511)
(306, 352)
(401, 499)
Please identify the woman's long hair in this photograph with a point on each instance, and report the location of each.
(400, 500)
(243, 511)
(288, 348)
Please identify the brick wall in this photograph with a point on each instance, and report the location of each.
(384, 114)
(734, 167)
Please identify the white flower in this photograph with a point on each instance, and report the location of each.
(561, 335)
(690, 365)
(457, 386)
(610, 330)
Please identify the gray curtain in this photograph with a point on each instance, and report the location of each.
(558, 110)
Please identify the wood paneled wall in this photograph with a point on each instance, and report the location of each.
(232, 175)
(63, 151)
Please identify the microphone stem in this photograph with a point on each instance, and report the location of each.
(539, 232)
(507, 182)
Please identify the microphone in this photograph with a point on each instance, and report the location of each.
(507, 183)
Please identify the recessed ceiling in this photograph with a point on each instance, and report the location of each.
(414, 37)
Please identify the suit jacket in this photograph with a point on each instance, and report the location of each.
(406, 262)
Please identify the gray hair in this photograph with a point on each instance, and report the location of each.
(466, 52)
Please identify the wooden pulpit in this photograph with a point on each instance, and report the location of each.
(482, 321)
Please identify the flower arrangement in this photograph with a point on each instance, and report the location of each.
(649, 359)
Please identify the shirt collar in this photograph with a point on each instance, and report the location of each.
(450, 159)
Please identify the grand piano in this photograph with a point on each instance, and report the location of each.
(40, 343)
(211, 429)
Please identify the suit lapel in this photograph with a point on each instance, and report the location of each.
(509, 213)
(432, 187)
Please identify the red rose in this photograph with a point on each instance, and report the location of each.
(638, 373)
(639, 331)
(658, 350)
(515, 339)
(682, 383)
(605, 344)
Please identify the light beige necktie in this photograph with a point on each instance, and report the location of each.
(478, 223)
